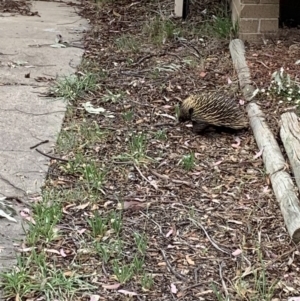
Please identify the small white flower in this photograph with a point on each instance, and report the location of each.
(268, 93)
(263, 90)
(280, 101)
(290, 92)
(297, 101)
(289, 98)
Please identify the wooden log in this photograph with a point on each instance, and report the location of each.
(290, 136)
(283, 186)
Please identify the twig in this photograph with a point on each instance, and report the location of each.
(222, 280)
(38, 144)
(178, 276)
(143, 59)
(263, 64)
(164, 177)
(153, 221)
(51, 157)
(209, 238)
(182, 182)
(153, 185)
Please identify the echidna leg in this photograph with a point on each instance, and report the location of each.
(199, 127)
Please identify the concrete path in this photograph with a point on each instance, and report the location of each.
(26, 118)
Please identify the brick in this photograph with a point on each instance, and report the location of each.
(268, 25)
(251, 37)
(269, 2)
(260, 11)
(250, 1)
(249, 25)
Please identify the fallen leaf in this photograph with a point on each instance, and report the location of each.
(173, 288)
(52, 251)
(229, 81)
(218, 162)
(202, 74)
(82, 206)
(69, 273)
(94, 297)
(125, 292)
(189, 260)
(134, 205)
(90, 108)
(237, 144)
(169, 233)
(236, 252)
(111, 286)
(257, 155)
(62, 253)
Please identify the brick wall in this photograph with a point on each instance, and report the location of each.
(255, 17)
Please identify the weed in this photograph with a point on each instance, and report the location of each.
(283, 85)
(128, 115)
(127, 43)
(116, 221)
(177, 111)
(137, 264)
(46, 217)
(103, 250)
(141, 242)
(161, 135)
(110, 96)
(161, 29)
(188, 161)
(79, 136)
(137, 145)
(123, 273)
(93, 175)
(147, 281)
(98, 225)
(137, 149)
(17, 282)
(73, 87)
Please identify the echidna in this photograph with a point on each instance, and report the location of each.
(212, 109)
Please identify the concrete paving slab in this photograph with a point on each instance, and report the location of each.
(25, 117)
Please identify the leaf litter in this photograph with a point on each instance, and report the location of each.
(213, 230)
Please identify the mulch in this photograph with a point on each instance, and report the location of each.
(217, 225)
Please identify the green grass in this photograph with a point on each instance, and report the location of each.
(137, 149)
(73, 87)
(161, 29)
(127, 43)
(188, 161)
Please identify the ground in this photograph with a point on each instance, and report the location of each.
(136, 205)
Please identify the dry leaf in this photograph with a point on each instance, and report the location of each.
(237, 144)
(236, 252)
(258, 154)
(125, 292)
(94, 297)
(169, 233)
(202, 74)
(173, 288)
(82, 206)
(189, 260)
(111, 286)
(62, 253)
